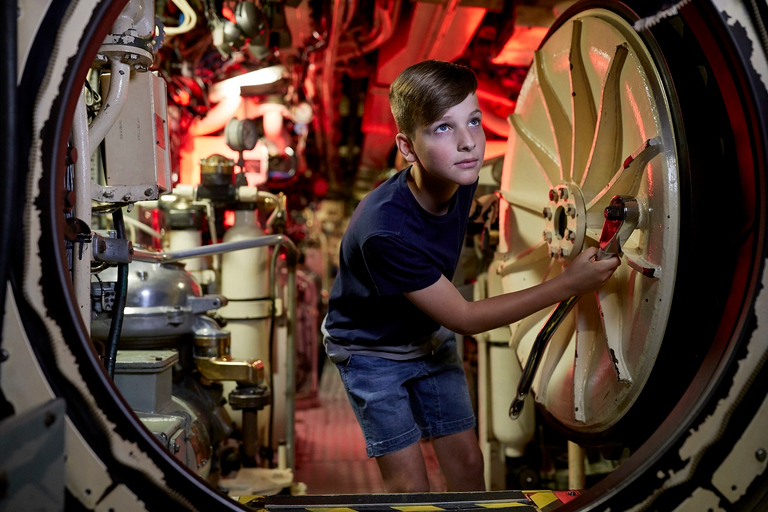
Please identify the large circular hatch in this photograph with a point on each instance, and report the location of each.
(593, 121)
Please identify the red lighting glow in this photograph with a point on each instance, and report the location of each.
(229, 218)
(228, 14)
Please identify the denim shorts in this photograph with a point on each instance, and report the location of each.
(399, 402)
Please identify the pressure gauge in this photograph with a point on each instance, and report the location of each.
(241, 135)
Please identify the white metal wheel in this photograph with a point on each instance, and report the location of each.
(580, 134)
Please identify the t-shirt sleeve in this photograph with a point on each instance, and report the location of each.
(395, 267)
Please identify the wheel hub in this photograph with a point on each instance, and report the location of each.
(565, 223)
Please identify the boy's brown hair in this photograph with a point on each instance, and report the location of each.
(423, 92)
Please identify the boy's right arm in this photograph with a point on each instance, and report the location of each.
(443, 302)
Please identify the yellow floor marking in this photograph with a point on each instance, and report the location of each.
(542, 499)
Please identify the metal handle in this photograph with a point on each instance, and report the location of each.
(621, 218)
(537, 351)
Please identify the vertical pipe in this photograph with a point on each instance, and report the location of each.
(576, 474)
(81, 267)
(290, 374)
(483, 406)
(250, 431)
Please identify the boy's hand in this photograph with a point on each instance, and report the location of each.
(586, 274)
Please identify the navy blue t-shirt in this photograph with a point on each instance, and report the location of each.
(392, 246)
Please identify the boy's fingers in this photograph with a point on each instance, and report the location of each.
(590, 252)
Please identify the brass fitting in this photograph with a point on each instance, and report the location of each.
(213, 359)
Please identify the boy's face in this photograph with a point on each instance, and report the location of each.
(453, 147)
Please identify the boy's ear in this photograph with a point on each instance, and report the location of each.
(405, 147)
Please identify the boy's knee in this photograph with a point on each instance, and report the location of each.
(405, 485)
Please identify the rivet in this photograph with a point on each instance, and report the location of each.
(760, 454)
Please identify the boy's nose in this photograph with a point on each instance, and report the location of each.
(467, 142)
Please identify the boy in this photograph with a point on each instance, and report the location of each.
(393, 310)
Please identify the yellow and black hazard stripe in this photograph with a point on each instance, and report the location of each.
(522, 501)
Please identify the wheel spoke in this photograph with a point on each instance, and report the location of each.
(524, 259)
(613, 312)
(589, 338)
(523, 333)
(558, 119)
(519, 277)
(520, 199)
(628, 179)
(645, 268)
(555, 354)
(605, 155)
(582, 106)
(546, 161)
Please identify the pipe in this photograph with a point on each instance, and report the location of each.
(576, 473)
(118, 309)
(327, 91)
(207, 250)
(113, 105)
(143, 228)
(138, 15)
(81, 267)
(190, 19)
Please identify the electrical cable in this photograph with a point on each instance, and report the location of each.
(121, 294)
(188, 22)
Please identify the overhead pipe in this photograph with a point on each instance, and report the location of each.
(327, 90)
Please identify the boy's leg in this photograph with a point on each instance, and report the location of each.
(461, 461)
(404, 471)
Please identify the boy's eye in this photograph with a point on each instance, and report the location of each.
(441, 128)
(475, 122)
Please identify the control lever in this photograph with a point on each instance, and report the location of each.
(621, 218)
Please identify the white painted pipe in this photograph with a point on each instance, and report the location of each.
(138, 15)
(504, 374)
(81, 267)
(576, 472)
(113, 105)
